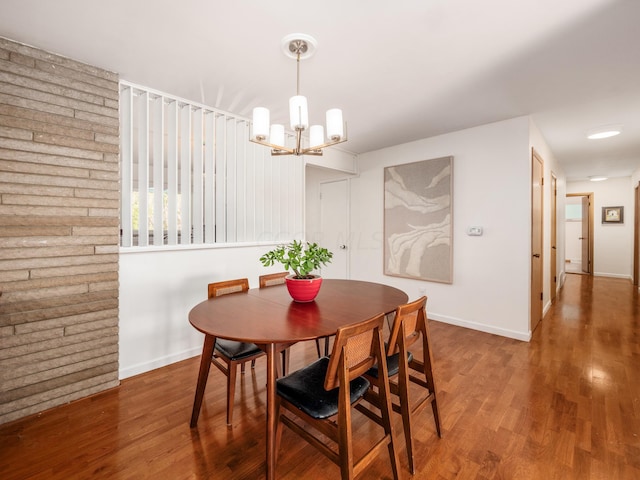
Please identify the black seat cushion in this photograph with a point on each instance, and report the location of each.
(236, 350)
(393, 365)
(305, 389)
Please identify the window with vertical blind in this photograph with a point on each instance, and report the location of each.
(190, 176)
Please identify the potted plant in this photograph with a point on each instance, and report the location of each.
(302, 259)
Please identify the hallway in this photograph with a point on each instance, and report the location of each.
(564, 406)
(589, 349)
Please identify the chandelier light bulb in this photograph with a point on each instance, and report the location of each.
(316, 135)
(335, 127)
(276, 136)
(260, 123)
(298, 112)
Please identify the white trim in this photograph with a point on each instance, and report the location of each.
(159, 362)
(613, 275)
(503, 332)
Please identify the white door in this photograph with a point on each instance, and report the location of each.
(334, 227)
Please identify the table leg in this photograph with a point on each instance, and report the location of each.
(272, 358)
(203, 375)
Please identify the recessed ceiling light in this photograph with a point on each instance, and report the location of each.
(597, 178)
(604, 132)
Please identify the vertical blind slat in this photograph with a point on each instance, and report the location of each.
(158, 171)
(197, 179)
(126, 156)
(221, 190)
(185, 174)
(209, 178)
(143, 169)
(231, 187)
(172, 173)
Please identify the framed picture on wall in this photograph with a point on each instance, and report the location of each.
(418, 220)
(612, 215)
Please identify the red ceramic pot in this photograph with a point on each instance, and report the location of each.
(303, 289)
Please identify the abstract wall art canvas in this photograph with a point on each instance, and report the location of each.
(418, 220)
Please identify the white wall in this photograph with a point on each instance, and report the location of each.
(336, 159)
(612, 243)
(157, 290)
(491, 175)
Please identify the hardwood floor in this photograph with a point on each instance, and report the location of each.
(564, 406)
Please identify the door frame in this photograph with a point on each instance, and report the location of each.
(536, 311)
(636, 235)
(589, 196)
(553, 270)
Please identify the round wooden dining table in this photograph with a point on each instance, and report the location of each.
(269, 318)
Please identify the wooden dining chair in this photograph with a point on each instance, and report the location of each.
(228, 354)
(409, 326)
(323, 393)
(272, 279)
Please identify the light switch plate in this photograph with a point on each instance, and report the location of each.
(474, 231)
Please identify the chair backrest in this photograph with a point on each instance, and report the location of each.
(409, 323)
(357, 348)
(272, 279)
(229, 286)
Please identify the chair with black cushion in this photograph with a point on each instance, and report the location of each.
(409, 326)
(228, 354)
(272, 279)
(322, 395)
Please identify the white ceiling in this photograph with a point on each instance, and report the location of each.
(400, 70)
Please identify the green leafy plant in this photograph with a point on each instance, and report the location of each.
(302, 258)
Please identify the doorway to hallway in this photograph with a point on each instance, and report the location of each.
(579, 233)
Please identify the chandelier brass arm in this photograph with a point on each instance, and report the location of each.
(316, 150)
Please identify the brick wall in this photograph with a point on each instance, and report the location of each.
(59, 226)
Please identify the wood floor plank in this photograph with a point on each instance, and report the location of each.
(564, 406)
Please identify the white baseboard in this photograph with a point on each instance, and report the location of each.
(139, 368)
(503, 332)
(612, 275)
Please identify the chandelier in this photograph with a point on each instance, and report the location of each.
(298, 46)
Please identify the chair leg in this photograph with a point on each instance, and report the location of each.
(425, 369)
(405, 410)
(278, 427)
(345, 435)
(318, 347)
(286, 356)
(436, 415)
(385, 411)
(231, 390)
